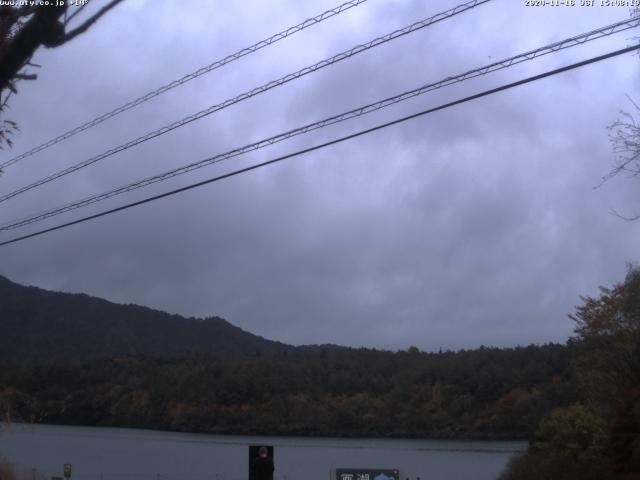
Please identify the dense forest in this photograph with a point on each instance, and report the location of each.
(485, 393)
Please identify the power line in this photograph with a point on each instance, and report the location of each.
(329, 143)
(188, 77)
(499, 65)
(251, 93)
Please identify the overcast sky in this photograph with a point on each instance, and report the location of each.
(475, 225)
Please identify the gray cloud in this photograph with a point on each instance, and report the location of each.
(474, 225)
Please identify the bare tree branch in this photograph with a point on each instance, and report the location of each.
(624, 136)
(23, 30)
(26, 76)
(78, 10)
(625, 142)
(14, 13)
(90, 21)
(41, 29)
(624, 217)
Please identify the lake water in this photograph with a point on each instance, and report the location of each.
(126, 454)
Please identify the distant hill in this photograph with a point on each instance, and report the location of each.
(37, 324)
(318, 390)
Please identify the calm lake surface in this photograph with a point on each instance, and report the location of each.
(126, 454)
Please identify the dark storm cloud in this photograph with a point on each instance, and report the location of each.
(474, 225)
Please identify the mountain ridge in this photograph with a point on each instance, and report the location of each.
(37, 324)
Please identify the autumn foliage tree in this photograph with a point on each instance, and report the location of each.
(599, 435)
(608, 367)
(569, 444)
(608, 340)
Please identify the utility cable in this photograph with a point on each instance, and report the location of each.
(332, 142)
(499, 65)
(251, 93)
(188, 77)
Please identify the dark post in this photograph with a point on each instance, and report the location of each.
(253, 454)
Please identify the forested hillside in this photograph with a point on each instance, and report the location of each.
(75, 359)
(37, 324)
(487, 393)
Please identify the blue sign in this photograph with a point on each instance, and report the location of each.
(366, 474)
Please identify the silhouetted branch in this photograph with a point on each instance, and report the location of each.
(77, 11)
(624, 217)
(85, 26)
(23, 30)
(625, 142)
(26, 76)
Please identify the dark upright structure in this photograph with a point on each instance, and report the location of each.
(261, 463)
